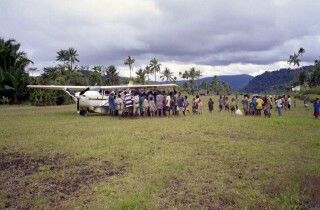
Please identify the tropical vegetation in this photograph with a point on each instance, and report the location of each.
(13, 71)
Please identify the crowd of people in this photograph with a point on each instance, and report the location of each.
(152, 103)
(263, 104)
(160, 103)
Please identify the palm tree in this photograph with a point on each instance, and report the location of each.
(294, 59)
(62, 56)
(300, 53)
(191, 75)
(155, 67)
(167, 75)
(13, 76)
(141, 76)
(147, 70)
(112, 76)
(129, 61)
(68, 57)
(72, 56)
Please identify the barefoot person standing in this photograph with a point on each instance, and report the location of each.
(316, 108)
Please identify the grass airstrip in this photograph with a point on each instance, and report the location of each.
(52, 158)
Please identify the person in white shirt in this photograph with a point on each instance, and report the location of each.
(168, 104)
(136, 105)
(120, 105)
(279, 105)
(145, 106)
(152, 107)
(289, 102)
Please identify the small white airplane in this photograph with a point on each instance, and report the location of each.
(95, 99)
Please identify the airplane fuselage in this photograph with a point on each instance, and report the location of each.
(92, 101)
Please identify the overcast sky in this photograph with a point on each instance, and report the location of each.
(216, 36)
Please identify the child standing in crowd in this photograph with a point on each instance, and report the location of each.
(136, 104)
(200, 106)
(237, 102)
(245, 104)
(128, 103)
(196, 104)
(306, 103)
(233, 105)
(186, 104)
(289, 102)
(221, 102)
(254, 104)
(159, 104)
(267, 107)
(168, 104)
(279, 105)
(145, 106)
(112, 104)
(316, 108)
(259, 103)
(226, 103)
(180, 104)
(141, 105)
(120, 105)
(152, 107)
(210, 105)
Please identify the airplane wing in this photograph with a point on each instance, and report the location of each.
(57, 87)
(80, 88)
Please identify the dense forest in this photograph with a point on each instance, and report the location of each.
(275, 81)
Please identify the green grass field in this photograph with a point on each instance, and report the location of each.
(53, 158)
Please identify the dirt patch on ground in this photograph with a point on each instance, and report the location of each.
(178, 195)
(25, 179)
(310, 192)
(273, 189)
(229, 135)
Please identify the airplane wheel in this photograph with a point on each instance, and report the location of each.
(83, 113)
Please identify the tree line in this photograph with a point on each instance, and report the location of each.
(15, 76)
(310, 78)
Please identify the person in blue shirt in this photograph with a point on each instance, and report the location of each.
(112, 103)
(316, 108)
(254, 104)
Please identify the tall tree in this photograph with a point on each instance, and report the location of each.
(191, 75)
(303, 77)
(147, 70)
(72, 56)
(13, 76)
(112, 76)
(216, 85)
(68, 57)
(62, 56)
(315, 75)
(294, 59)
(155, 67)
(141, 76)
(129, 61)
(95, 76)
(167, 75)
(301, 51)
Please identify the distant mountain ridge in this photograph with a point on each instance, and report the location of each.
(236, 82)
(274, 81)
